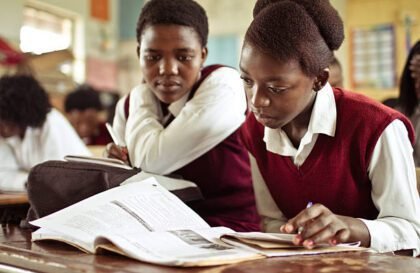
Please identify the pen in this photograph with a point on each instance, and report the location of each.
(113, 135)
(300, 229)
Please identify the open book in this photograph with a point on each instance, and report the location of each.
(146, 222)
(280, 244)
(113, 162)
(183, 189)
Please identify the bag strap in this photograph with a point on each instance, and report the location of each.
(205, 72)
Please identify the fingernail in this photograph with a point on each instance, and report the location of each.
(333, 242)
(308, 243)
(289, 228)
(282, 228)
(297, 239)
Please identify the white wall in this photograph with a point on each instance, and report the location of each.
(11, 19)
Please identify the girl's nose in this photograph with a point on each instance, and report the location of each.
(259, 99)
(168, 67)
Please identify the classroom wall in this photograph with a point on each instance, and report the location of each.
(226, 31)
(11, 18)
(227, 28)
(361, 13)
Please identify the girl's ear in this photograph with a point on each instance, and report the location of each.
(321, 80)
(204, 52)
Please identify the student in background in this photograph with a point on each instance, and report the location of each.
(391, 102)
(109, 100)
(409, 97)
(347, 154)
(31, 132)
(336, 73)
(175, 128)
(83, 107)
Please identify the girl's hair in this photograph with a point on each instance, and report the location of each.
(23, 101)
(174, 12)
(82, 98)
(303, 30)
(407, 99)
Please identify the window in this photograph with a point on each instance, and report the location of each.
(373, 57)
(43, 31)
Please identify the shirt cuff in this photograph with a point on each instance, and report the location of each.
(385, 238)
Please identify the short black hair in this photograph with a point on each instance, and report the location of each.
(174, 12)
(23, 101)
(407, 98)
(82, 98)
(303, 30)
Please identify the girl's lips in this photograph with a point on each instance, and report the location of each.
(168, 86)
(262, 116)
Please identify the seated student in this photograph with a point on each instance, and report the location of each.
(336, 73)
(173, 129)
(31, 132)
(347, 154)
(409, 97)
(83, 107)
(391, 102)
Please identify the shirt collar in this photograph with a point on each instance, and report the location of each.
(323, 121)
(176, 107)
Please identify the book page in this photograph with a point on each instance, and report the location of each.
(144, 221)
(168, 183)
(186, 247)
(112, 162)
(279, 244)
(262, 236)
(135, 207)
(146, 204)
(185, 190)
(85, 244)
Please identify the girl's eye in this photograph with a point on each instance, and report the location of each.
(247, 81)
(185, 58)
(152, 57)
(276, 90)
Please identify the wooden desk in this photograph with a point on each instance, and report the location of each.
(13, 207)
(10, 199)
(17, 250)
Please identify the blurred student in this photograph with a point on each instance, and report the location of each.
(336, 73)
(31, 132)
(409, 96)
(109, 100)
(335, 165)
(83, 109)
(177, 125)
(391, 102)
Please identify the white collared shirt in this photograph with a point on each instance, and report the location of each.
(55, 139)
(216, 110)
(391, 171)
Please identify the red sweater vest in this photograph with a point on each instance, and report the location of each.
(224, 177)
(102, 138)
(335, 172)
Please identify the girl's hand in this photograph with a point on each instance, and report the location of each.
(318, 225)
(114, 151)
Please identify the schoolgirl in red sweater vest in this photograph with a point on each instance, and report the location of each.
(184, 120)
(332, 164)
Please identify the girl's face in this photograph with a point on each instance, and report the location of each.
(415, 73)
(278, 93)
(171, 57)
(86, 122)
